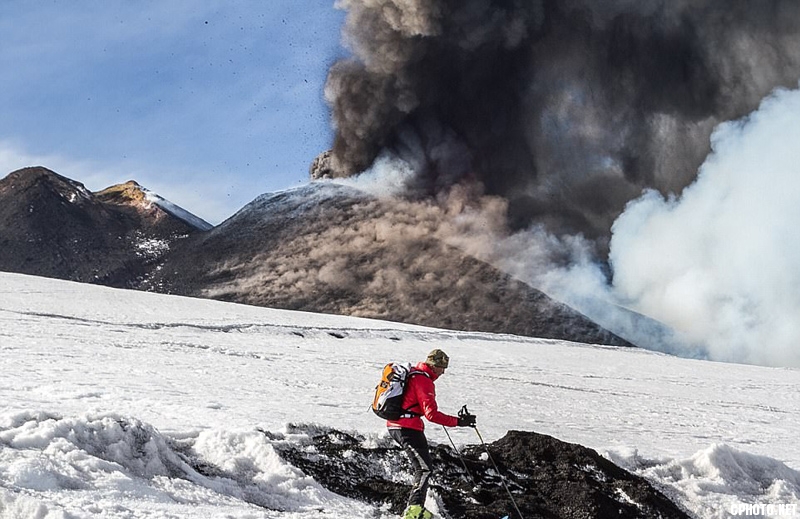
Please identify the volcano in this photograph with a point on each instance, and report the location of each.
(334, 249)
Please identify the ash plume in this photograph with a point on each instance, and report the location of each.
(545, 121)
(567, 109)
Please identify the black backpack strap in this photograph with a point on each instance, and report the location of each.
(408, 413)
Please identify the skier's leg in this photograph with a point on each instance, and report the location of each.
(423, 466)
(415, 445)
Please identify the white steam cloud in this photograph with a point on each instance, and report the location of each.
(721, 263)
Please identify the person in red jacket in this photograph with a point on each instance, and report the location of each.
(408, 431)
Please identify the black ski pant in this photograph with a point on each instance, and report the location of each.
(415, 445)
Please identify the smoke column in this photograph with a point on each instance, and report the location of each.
(566, 108)
(559, 114)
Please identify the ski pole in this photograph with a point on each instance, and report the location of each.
(463, 463)
(502, 478)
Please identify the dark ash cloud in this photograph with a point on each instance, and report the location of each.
(567, 109)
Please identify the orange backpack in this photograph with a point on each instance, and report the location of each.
(388, 401)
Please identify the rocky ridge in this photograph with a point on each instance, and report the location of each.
(53, 226)
(320, 248)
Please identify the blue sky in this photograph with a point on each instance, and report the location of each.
(207, 103)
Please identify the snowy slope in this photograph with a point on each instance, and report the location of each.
(100, 388)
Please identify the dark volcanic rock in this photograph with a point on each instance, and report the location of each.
(567, 480)
(549, 479)
(332, 249)
(322, 166)
(53, 226)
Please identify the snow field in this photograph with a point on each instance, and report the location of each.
(106, 393)
(113, 466)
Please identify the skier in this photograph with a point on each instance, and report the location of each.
(408, 431)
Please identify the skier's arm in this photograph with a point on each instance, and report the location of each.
(426, 396)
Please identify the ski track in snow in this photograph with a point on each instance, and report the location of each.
(81, 363)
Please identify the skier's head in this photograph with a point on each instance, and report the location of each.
(437, 359)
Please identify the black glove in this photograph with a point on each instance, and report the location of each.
(466, 420)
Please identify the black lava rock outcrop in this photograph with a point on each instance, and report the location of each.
(548, 478)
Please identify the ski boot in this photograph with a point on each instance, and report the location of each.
(417, 512)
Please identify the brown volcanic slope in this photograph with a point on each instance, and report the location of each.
(331, 249)
(53, 226)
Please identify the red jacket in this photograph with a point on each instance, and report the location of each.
(420, 398)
